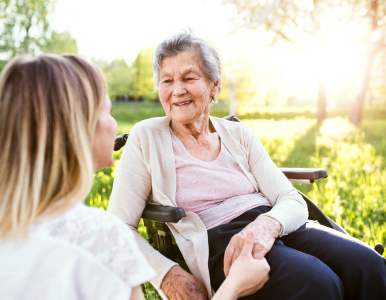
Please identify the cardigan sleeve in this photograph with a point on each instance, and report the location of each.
(289, 208)
(131, 189)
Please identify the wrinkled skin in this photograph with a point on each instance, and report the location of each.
(179, 285)
(265, 230)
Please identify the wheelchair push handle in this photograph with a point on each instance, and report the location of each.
(120, 141)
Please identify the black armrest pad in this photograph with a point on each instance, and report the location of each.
(304, 173)
(163, 213)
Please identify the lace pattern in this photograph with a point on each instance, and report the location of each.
(103, 236)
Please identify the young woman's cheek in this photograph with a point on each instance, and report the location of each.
(114, 126)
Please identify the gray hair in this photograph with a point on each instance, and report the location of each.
(186, 41)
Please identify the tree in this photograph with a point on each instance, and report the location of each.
(309, 24)
(305, 24)
(59, 43)
(141, 83)
(24, 28)
(375, 13)
(239, 82)
(118, 77)
(24, 25)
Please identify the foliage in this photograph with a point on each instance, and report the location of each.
(24, 28)
(60, 43)
(239, 72)
(313, 26)
(302, 21)
(244, 83)
(118, 76)
(142, 85)
(24, 25)
(133, 82)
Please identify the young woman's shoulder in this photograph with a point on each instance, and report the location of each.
(103, 236)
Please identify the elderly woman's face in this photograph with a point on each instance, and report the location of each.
(184, 89)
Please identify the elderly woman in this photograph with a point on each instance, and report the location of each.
(221, 175)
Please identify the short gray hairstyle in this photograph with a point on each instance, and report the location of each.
(186, 41)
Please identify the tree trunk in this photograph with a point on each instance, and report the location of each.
(357, 112)
(232, 101)
(321, 113)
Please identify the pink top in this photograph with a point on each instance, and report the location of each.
(218, 191)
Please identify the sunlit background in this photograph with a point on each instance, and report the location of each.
(308, 77)
(274, 54)
(284, 65)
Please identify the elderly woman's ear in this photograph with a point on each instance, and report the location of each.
(215, 89)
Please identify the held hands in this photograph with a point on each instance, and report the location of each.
(265, 230)
(245, 267)
(247, 275)
(179, 285)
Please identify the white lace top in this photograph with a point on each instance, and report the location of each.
(85, 253)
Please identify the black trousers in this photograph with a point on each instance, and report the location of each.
(314, 262)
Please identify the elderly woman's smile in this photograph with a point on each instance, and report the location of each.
(186, 103)
(184, 90)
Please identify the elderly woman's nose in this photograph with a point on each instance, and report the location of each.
(179, 88)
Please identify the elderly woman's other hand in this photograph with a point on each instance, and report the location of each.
(180, 285)
(247, 275)
(265, 230)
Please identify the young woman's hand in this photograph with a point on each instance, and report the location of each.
(265, 230)
(247, 274)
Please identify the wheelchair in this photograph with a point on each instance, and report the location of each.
(155, 217)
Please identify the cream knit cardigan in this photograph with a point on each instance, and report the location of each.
(146, 174)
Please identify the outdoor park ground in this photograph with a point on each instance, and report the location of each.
(353, 195)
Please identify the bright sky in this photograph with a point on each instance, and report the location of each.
(112, 29)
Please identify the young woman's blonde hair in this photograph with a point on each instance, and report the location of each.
(49, 107)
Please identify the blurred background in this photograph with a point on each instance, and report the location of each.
(309, 77)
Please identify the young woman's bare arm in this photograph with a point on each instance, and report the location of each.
(136, 294)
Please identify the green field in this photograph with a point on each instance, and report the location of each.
(353, 195)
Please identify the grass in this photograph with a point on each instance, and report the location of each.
(353, 195)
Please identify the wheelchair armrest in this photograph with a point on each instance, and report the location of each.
(163, 213)
(306, 174)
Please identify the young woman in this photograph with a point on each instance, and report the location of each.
(55, 132)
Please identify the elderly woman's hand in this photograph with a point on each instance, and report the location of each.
(180, 285)
(247, 275)
(265, 230)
